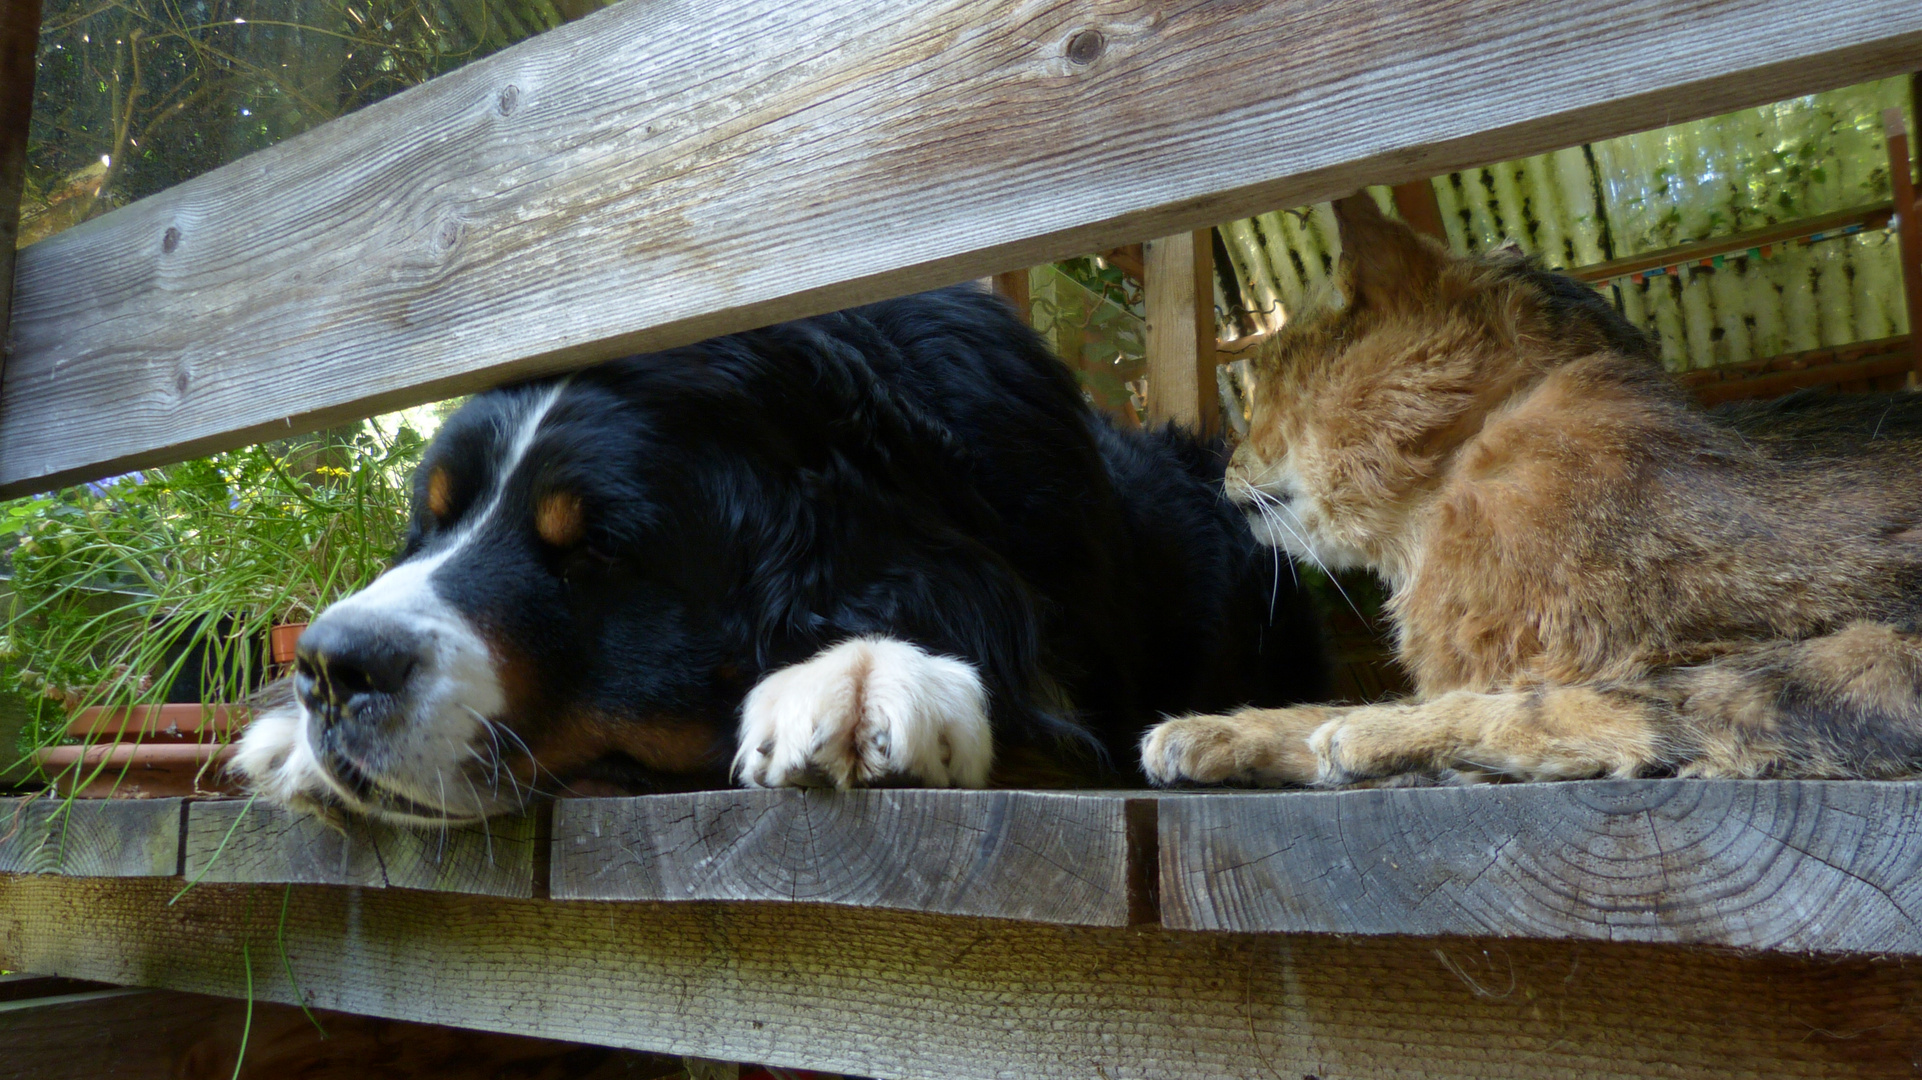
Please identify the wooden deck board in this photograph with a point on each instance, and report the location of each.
(1017, 855)
(1792, 866)
(90, 837)
(262, 844)
(1831, 867)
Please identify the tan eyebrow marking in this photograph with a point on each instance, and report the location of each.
(440, 492)
(559, 519)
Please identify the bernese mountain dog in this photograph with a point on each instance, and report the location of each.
(891, 545)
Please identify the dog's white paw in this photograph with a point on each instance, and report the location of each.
(867, 711)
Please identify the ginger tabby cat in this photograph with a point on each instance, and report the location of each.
(1591, 575)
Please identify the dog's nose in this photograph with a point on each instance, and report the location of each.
(343, 659)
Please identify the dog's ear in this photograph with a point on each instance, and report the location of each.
(1384, 264)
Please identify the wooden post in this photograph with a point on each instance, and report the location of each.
(19, 42)
(1013, 287)
(1126, 258)
(1416, 203)
(1906, 214)
(1178, 277)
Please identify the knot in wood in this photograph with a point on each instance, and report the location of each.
(1086, 46)
(509, 97)
(170, 239)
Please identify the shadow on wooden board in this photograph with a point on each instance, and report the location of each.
(86, 1031)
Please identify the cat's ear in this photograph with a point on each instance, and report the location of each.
(1384, 263)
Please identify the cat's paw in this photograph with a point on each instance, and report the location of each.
(1265, 747)
(1372, 744)
(866, 712)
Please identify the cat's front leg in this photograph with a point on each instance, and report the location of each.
(1262, 747)
(1546, 733)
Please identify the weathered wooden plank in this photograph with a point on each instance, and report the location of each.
(1819, 367)
(1870, 216)
(1013, 286)
(1415, 201)
(1178, 275)
(1909, 229)
(20, 986)
(131, 1034)
(1802, 866)
(19, 39)
(259, 843)
(1007, 854)
(656, 173)
(890, 994)
(90, 837)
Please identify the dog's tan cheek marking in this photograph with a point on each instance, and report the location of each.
(662, 743)
(440, 493)
(558, 518)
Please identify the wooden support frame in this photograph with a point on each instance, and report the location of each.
(1867, 217)
(906, 995)
(610, 185)
(1859, 363)
(1618, 928)
(62, 1029)
(1178, 280)
(1012, 286)
(19, 46)
(1827, 867)
(1908, 216)
(1415, 201)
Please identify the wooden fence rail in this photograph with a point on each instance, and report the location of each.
(654, 174)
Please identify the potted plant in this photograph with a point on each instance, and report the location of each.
(147, 609)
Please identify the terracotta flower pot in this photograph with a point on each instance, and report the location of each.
(139, 770)
(155, 751)
(281, 639)
(157, 723)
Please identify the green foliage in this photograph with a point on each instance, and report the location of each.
(1092, 315)
(111, 579)
(132, 96)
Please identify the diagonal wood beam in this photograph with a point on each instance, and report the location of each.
(656, 173)
(19, 44)
(1909, 236)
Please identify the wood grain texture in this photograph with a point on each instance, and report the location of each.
(19, 40)
(657, 173)
(90, 837)
(1178, 275)
(1870, 216)
(1909, 228)
(1415, 201)
(1013, 286)
(1888, 359)
(1006, 854)
(266, 844)
(898, 995)
(1799, 866)
(131, 1034)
